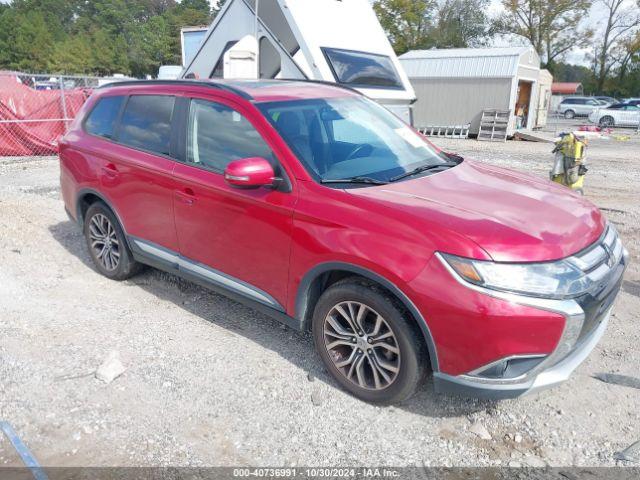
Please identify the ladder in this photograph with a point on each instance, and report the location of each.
(493, 125)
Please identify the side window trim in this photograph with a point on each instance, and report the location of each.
(116, 127)
(179, 126)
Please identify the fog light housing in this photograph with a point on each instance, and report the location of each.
(508, 368)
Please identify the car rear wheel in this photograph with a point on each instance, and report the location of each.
(569, 114)
(607, 121)
(107, 244)
(368, 343)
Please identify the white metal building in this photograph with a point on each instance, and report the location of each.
(338, 41)
(545, 80)
(454, 86)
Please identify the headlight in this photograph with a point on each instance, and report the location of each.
(558, 279)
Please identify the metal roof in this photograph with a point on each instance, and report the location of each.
(464, 62)
(566, 88)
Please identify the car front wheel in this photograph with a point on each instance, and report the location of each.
(368, 342)
(606, 121)
(107, 244)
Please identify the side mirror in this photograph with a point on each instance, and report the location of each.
(250, 173)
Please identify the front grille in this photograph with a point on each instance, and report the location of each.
(598, 260)
(604, 264)
(595, 306)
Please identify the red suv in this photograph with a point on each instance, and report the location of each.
(317, 206)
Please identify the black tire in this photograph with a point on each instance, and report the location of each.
(407, 338)
(569, 114)
(126, 266)
(607, 121)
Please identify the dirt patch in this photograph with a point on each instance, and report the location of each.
(211, 382)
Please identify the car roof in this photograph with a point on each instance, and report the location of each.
(254, 90)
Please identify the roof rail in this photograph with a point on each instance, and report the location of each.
(321, 82)
(200, 83)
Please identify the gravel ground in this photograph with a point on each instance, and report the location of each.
(211, 382)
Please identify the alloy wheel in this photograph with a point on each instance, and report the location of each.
(606, 122)
(104, 241)
(361, 345)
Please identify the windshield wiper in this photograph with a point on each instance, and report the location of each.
(454, 156)
(365, 180)
(423, 168)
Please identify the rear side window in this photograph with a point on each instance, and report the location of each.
(102, 119)
(217, 135)
(146, 123)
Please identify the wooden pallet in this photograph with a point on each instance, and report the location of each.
(446, 131)
(494, 125)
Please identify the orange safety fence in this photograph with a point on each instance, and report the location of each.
(34, 114)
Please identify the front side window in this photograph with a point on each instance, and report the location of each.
(347, 137)
(102, 119)
(217, 135)
(361, 69)
(146, 123)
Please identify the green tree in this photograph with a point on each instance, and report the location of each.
(553, 27)
(59, 14)
(201, 6)
(407, 22)
(26, 43)
(461, 23)
(73, 55)
(109, 52)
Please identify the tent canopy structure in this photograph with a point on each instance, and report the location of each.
(339, 41)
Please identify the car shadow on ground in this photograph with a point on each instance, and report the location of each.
(294, 346)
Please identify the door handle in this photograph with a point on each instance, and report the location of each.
(186, 196)
(110, 170)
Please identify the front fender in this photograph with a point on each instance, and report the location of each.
(305, 294)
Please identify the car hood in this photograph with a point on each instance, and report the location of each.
(514, 217)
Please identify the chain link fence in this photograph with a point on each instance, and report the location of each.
(607, 121)
(35, 110)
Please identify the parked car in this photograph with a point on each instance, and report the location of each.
(572, 107)
(316, 205)
(606, 100)
(620, 114)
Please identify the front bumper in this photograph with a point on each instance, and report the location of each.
(558, 373)
(585, 321)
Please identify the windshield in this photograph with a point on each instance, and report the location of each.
(343, 138)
